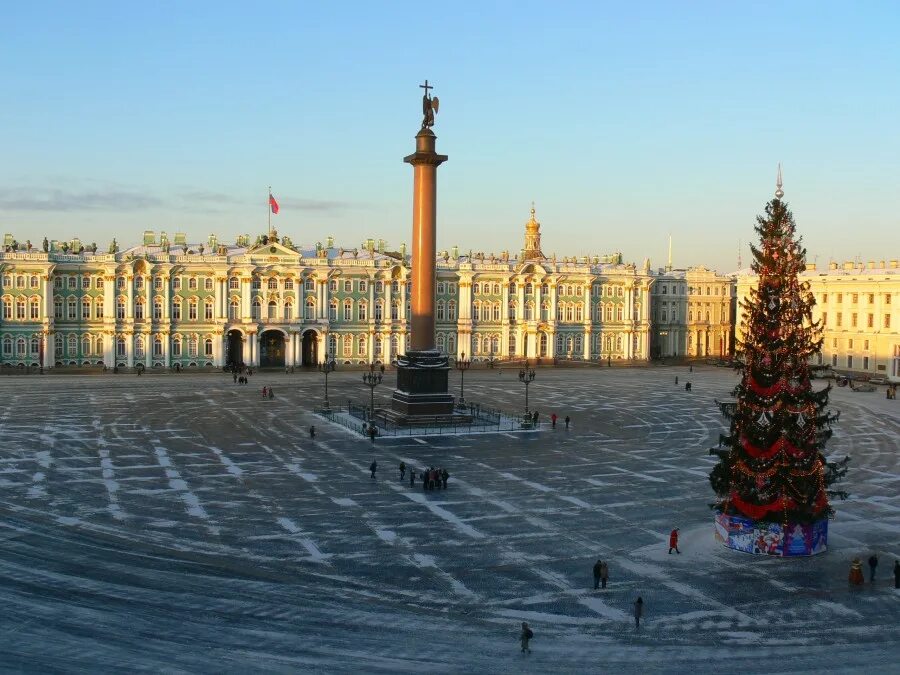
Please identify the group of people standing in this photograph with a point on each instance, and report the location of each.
(241, 375)
(856, 571)
(268, 392)
(432, 478)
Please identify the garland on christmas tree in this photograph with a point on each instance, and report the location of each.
(771, 465)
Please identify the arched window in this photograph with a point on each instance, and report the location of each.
(560, 343)
(120, 347)
(20, 308)
(176, 309)
(192, 309)
(176, 347)
(560, 311)
(475, 289)
(348, 310)
(495, 311)
(451, 344)
(208, 283)
(545, 289)
(273, 284)
(570, 312)
(579, 344)
(361, 345)
(609, 312)
(72, 345)
(234, 309)
(192, 346)
(620, 313)
(157, 308)
(348, 345)
(71, 308)
(310, 308)
(379, 310)
(8, 345)
(451, 310)
(208, 309)
(138, 308)
(309, 284)
(395, 311)
(496, 289)
(288, 310)
(511, 345)
(234, 284)
(333, 310)
(439, 311)
(289, 284)
(157, 346)
(139, 347)
(20, 347)
(208, 347)
(255, 310)
(363, 311)
(272, 314)
(528, 289)
(192, 284)
(57, 309)
(35, 345)
(395, 346)
(379, 347)
(545, 310)
(332, 345)
(511, 309)
(139, 283)
(495, 344)
(619, 344)
(529, 311)
(86, 345)
(579, 312)
(34, 282)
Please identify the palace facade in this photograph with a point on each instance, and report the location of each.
(163, 304)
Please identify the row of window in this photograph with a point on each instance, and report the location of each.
(854, 298)
(854, 320)
(20, 281)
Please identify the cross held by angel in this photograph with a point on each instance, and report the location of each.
(429, 106)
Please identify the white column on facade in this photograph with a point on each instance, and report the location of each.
(288, 349)
(129, 350)
(48, 300)
(253, 344)
(166, 338)
(521, 309)
(129, 295)
(245, 298)
(49, 349)
(218, 299)
(553, 300)
(403, 317)
(587, 343)
(387, 302)
(166, 309)
(109, 349)
(537, 301)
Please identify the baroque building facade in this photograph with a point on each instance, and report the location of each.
(856, 305)
(178, 305)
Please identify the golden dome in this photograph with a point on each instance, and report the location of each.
(532, 225)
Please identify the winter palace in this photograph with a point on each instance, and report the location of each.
(269, 303)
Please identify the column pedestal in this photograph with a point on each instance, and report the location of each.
(422, 384)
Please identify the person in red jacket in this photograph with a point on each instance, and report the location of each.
(673, 541)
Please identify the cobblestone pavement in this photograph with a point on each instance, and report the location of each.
(181, 522)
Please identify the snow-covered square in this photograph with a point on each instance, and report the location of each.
(184, 523)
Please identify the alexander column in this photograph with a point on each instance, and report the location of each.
(422, 371)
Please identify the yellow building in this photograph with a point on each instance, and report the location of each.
(856, 304)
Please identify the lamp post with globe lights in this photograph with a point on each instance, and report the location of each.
(327, 366)
(372, 379)
(526, 377)
(462, 365)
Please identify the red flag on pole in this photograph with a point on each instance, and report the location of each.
(273, 204)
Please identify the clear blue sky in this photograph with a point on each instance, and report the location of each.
(624, 122)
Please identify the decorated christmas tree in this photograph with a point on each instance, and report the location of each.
(771, 467)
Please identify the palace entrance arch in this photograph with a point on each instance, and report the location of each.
(234, 354)
(309, 348)
(271, 349)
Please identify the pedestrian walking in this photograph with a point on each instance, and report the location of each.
(444, 476)
(568, 419)
(235, 377)
(553, 420)
(673, 541)
(897, 574)
(604, 574)
(534, 418)
(412, 477)
(873, 564)
(856, 574)
(525, 637)
(638, 611)
(402, 470)
(598, 566)
(271, 393)
(372, 432)
(312, 432)
(373, 467)
(264, 391)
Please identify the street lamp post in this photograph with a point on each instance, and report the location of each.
(327, 366)
(526, 376)
(372, 379)
(462, 365)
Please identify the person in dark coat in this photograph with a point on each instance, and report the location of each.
(597, 567)
(312, 432)
(568, 419)
(525, 636)
(412, 477)
(673, 541)
(873, 564)
(444, 476)
(638, 611)
(897, 574)
(402, 470)
(373, 467)
(604, 574)
(553, 420)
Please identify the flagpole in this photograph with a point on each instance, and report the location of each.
(269, 209)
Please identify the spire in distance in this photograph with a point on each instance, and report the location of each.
(779, 193)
